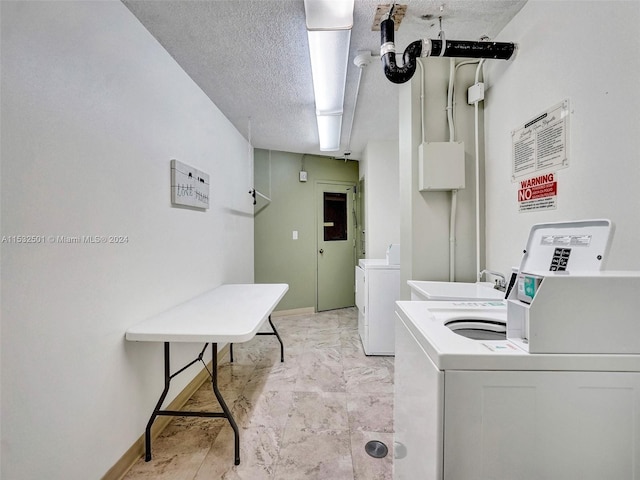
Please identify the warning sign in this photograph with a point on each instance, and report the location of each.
(538, 193)
(541, 144)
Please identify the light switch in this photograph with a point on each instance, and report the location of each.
(294, 236)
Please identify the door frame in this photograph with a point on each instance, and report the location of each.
(319, 184)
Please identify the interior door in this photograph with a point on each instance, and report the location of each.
(336, 246)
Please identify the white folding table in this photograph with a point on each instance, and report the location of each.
(226, 314)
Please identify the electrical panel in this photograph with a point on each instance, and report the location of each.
(441, 166)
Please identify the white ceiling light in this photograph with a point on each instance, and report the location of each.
(329, 25)
(329, 127)
(329, 14)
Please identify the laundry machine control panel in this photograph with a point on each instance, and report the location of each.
(563, 301)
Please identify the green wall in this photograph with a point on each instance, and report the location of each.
(279, 258)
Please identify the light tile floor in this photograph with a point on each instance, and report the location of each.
(307, 418)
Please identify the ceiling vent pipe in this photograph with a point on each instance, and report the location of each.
(432, 48)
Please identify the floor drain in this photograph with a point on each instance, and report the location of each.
(376, 449)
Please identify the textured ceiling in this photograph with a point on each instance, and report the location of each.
(251, 58)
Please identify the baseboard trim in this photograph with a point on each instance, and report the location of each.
(131, 456)
(295, 311)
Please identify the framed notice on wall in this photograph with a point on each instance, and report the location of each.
(542, 143)
(189, 186)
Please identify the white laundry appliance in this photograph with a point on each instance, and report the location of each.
(589, 239)
(453, 291)
(377, 289)
(487, 409)
(545, 388)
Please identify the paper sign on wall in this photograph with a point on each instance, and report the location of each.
(542, 143)
(538, 193)
(189, 186)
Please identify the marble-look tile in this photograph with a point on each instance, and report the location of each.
(320, 371)
(204, 397)
(232, 377)
(348, 318)
(315, 455)
(370, 411)
(268, 355)
(277, 376)
(265, 409)
(294, 337)
(258, 453)
(371, 374)
(330, 340)
(317, 411)
(245, 354)
(327, 355)
(351, 345)
(176, 455)
(324, 326)
(237, 472)
(296, 320)
(366, 467)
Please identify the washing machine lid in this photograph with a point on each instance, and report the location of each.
(575, 247)
(377, 263)
(450, 351)
(450, 291)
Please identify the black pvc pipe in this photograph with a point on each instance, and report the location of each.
(391, 70)
(463, 48)
(452, 48)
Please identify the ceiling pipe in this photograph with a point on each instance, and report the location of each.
(361, 61)
(432, 48)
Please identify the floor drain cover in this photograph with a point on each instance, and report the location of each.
(376, 449)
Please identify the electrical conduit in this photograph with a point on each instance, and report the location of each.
(477, 147)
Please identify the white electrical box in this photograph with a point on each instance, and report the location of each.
(441, 166)
(475, 93)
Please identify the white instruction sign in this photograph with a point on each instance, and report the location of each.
(541, 144)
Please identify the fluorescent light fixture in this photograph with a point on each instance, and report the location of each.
(329, 25)
(329, 51)
(329, 14)
(329, 127)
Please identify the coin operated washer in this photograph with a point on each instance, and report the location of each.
(560, 249)
(524, 406)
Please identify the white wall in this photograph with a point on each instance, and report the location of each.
(382, 197)
(93, 109)
(587, 51)
(425, 216)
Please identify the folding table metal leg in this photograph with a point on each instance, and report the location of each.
(225, 409)
(167, 381)
(279, 339)
(226, 413)
(275, 332)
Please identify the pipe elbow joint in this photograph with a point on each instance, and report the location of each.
(397, 74)
(392, 71)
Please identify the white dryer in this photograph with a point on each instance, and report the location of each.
(377, 289)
